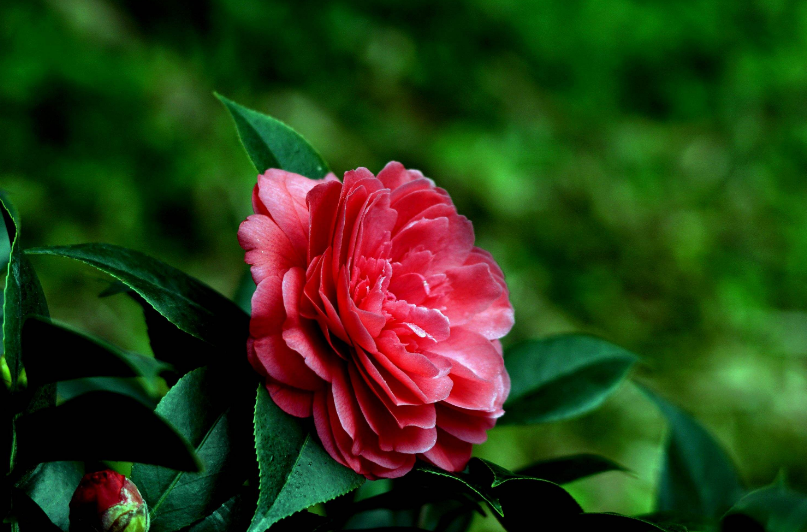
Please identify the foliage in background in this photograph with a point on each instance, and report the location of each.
(637, 169)
(200, 463)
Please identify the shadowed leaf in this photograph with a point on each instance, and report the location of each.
(22, 295)
(775, 508)
(101, 426)
(697, 477)
(570, 468)
(57, 352)
(213, 411)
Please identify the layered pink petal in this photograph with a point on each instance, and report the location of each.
(283, 196)
(375, 314)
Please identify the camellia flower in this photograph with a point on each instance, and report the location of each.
(375, 313)
(106, 501)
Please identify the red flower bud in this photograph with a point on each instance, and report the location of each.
(106, 501)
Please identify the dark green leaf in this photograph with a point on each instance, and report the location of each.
(304, 522)
(402, 505)
(7, 414)
(22, 295)
(51, 487)
(570, 468)
(175, 347)
(5, 245)
(186, 302)
(776, 508)
(614, 522)
(739, 522)
(522, 498)
(29, 516)
(296, 472)
(56, 352)
(134, 388)
(243, 295)
(511, 496)
(101, 426)
(562, 377)
(454, 517)
(464, 482)
(272, 144)
(673, 522)
(232, 516)
(214, 413)
(697, 477)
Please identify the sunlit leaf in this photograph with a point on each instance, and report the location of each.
(272, 144)
(562, 377)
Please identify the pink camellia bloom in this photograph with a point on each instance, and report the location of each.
(375, 313)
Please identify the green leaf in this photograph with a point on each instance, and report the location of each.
(244, 292)
(5, 245)
(169, 344)
(464, 482)
(186, 302)
(134, 388)
(512, 497)
(403, 503)
(22, 295)
(182, 351)
(232, 516)
(272, 144)
(101, 426)
(775, 508)
(296, 472)
(311, 522)
(562, 377)
(522, 497)
(29, 516)
(697, 477)
(7, 413)
(212, 409)
(46, 344)
(51, 487)
(622, 523)
(570, 468)
(672, 522)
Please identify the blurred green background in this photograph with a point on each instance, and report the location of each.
(638, 168)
